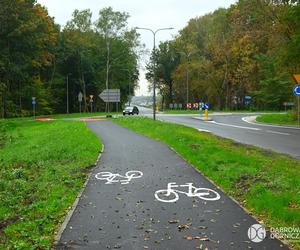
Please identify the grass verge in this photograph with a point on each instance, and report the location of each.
(266, 183)
(43, 166)
(279, 119)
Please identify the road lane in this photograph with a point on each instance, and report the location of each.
(129, 216)
(279, 139)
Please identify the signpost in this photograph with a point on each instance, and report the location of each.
(80, 96)
(206, 107)
(33, 105)
(296, 91)
(91, 102)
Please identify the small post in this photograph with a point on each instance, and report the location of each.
(91, 102)
(33, 106)
(298, 109)
(206, 114)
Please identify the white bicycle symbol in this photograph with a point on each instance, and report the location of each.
(171, 194)
(112, 178)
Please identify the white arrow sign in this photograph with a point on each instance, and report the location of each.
(110, 95)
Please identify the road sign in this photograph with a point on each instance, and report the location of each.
(80, 96)
(33, 102)
(110, 95)
(297, 78)
(297, 90)
(189, 105)
(206, 106)
(195, 105)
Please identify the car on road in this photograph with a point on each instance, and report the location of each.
(131, 110)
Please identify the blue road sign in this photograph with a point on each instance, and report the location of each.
(206, 106)
(33, 102)
(297, 90)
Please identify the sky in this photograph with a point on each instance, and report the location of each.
(153, 14)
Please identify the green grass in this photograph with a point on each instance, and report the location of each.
(266, 183)
(43, 166)
(62, 116)
(280, 119)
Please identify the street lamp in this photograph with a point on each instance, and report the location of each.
(129, 78)
(154, 66)
(68, 92)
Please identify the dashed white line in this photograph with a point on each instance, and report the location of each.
(276, 132)
(234, 126)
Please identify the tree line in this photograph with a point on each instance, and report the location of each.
(249, 50)
(39, 58)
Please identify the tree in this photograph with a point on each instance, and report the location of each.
(25, 40)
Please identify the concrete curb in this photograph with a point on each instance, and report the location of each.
(252, 120)
(74, 205)
(203, 119)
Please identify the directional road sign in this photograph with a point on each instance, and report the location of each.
(297, 90)
(33, 102)
(110, 95)
(297, 78)
(206, 106)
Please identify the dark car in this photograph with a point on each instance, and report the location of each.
(131, 110)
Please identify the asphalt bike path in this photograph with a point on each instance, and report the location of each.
(142, 195)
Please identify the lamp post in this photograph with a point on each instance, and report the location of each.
(68, 92)
(154, 65)
(129, 79)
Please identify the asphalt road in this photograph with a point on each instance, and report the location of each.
(277, 138)
(124, 213)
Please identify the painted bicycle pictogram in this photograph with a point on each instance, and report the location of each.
(171, 194)
(123, 179)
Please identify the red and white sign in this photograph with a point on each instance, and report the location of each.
(189, 105)
(196, 105)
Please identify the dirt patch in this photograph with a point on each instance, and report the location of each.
(195, 146)
(244, 182)
(6, 222)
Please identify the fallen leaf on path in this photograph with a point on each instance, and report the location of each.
(183, 227)
(173, 221)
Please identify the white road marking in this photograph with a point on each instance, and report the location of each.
(251, 119)
(204, 130)
(234, 126)
(111, 178)
(276, 132)
(171, 194)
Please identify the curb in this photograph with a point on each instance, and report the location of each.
(203, 119)
(74, 205)
(252, 120)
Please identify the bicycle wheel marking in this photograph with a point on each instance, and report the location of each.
(118, 178)
(171, 194)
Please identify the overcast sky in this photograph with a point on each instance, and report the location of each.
(153, 14)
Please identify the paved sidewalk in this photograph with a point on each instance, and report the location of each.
(126, 214)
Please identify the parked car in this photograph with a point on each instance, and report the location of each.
(131, 111)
